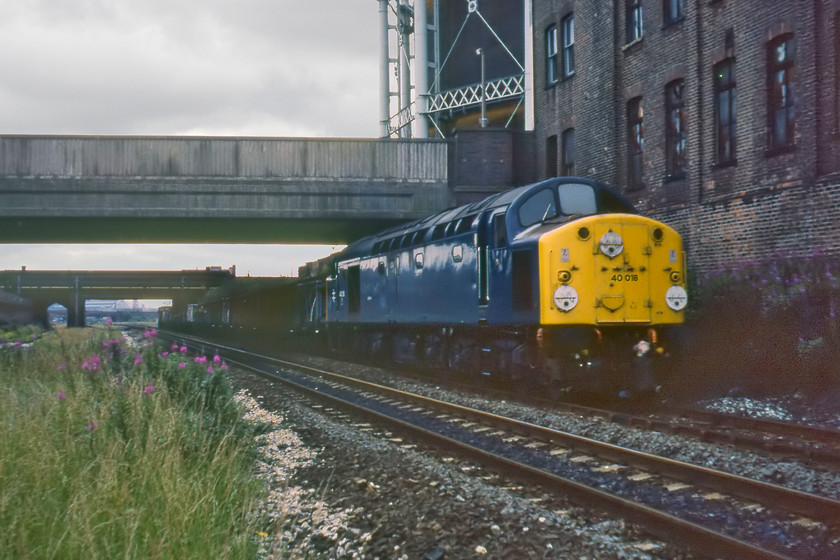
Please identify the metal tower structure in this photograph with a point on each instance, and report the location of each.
(413, 97)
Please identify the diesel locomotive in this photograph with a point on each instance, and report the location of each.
(560, 284)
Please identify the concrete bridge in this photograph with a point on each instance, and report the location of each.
(71, 288)
(133, 189)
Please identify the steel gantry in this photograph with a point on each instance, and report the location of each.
(412, 100)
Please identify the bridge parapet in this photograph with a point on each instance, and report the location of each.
(215, 189)
(247, 157)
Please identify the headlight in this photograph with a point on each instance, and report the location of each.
(676, 298)
(565, 298)
(611, 244)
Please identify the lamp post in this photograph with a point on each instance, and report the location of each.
(483, 121)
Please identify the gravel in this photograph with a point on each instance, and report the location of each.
(343, 489)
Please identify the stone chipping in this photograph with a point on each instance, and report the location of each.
(340, 491)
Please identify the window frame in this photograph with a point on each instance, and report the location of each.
(552, 70)
(673, 11)
(635, 144)
(780, 95)
(634, 21)
(567, 25)
(675, 131)
(567, 152)
(727, 130)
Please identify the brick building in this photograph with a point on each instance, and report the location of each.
(719, 117)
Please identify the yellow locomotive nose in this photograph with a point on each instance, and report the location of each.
(612, 269)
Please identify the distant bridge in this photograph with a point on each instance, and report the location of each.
(148, 189)
(71, 288)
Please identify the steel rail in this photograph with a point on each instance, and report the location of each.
(711, 426)
(819, 507)
(656, 522)
(787, 499)
(659, 523)
(719, 419)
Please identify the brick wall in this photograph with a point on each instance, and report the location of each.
(766, 203)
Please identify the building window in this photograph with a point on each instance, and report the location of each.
(674, 11)
(725, 111)
(569, 152)
(635, 143)
(551, 55)
(675, 128)
(780, 106)
(551, 156)
(568, 24)
(633, 19)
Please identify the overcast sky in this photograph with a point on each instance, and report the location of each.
(186, 67)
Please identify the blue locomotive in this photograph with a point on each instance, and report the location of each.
(560, 284)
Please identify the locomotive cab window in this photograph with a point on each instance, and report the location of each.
(577, 199)
(540, 207)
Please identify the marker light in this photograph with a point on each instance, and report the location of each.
(676, 298)
(612, 244)
(565, 298)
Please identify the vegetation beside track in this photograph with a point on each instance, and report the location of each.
(116, 449)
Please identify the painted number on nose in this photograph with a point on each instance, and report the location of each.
(625, 278)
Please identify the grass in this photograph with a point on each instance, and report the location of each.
(109, 450)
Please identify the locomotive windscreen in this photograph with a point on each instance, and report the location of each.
(569, 199)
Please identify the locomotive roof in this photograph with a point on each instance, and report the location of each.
(607, 198)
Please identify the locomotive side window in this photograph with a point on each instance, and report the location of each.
(577, 198)
(457, 253)
(540, 207)
(465, 224)
(522, 284)
(499, 231)
(354, 289)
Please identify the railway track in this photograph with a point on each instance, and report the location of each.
(812, 444)
(715, 513)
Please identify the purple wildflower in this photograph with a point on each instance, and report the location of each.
(210, 370)
(60, 396)
(138, 360)
(183, 350)
(182, 365)
(149, 390)
(92, 364)
(62, 367)
(92, 426)
(217, 359)
(223, 367)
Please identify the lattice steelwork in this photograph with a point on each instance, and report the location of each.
(503, 88)
(401, 38)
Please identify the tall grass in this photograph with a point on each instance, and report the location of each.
(109, 450)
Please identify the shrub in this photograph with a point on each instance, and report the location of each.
(110, 450)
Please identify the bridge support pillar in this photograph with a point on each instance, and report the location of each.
(76, 313)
